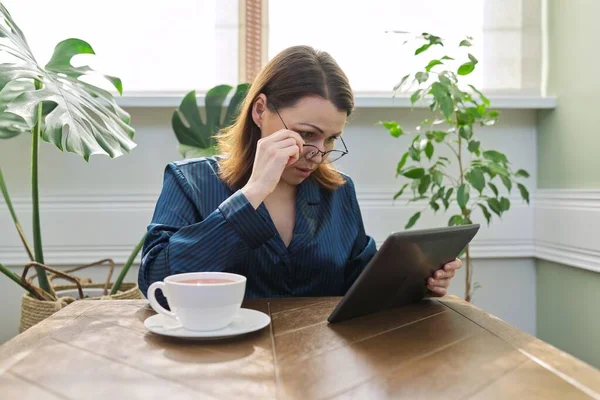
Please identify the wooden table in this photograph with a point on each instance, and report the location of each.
(437, 349)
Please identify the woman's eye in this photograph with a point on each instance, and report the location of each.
(306, 135)
(332, 139)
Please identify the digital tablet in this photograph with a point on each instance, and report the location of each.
(397, 274)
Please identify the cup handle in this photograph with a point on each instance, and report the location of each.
(154, 303)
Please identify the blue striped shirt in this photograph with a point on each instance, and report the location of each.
(201, 224)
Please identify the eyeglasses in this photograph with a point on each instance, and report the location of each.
(310, 152)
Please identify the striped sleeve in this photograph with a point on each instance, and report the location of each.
(180, 240)
(364, 247)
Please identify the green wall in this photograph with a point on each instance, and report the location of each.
(568, 298)
(568, 310)
(568, 143)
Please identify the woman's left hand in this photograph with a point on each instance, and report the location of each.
(440, 282)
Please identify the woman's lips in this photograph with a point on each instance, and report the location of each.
(304, 171)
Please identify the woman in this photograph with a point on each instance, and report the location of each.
(272, 209)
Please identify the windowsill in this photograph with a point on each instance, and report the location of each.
(362, 100)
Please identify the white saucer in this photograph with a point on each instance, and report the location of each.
(245, 321)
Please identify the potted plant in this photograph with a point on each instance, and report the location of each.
(196, 136)
(53, 104)
(468, 182)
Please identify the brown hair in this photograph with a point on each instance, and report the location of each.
(292, 74)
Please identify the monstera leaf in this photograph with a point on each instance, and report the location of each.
(195, 135)
(77, 116)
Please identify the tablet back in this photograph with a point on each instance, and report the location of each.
(397, 274)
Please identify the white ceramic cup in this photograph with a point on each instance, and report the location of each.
(200, 306)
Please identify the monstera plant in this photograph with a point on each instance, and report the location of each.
(52, 103)
(197, 136)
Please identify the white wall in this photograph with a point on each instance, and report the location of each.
(100, 209)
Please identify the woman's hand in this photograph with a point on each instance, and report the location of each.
(440, 282)
(273, 154)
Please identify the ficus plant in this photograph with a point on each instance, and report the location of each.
(474, 182)
(51, 103)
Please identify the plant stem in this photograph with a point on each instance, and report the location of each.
(35, 199)
(13, 214)
(127, 265)
(453, 150)
(465, 216)
(17, 279)
(468, 273)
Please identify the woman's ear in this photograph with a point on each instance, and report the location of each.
(258, 109)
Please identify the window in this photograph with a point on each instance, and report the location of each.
(178, 45)
(354, 33)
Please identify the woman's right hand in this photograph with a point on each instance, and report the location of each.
(273, 154)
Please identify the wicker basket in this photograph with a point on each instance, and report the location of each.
(34, 310)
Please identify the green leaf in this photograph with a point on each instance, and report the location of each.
(485, 100)
(505, 204)
(495, 156)
(85, 119)
(213, 103)
(495, 206)
(466, 68)
(474, 146)
(497, 169)
(11, 124)
(476, 179)
(465, 43)
(449, 193)
(486, 213)
(466, 132)
(190, 129)
(422, 49)
(422, 76)
(393, 127)
(438, 136)
(522, 173)
(437, 177)
(414, 173)
(196, 152)
(418, 198)
(187, 123)
(432, 39)
(415, 96)
(413, 220)
(235, 104)
(414, 153)
(400, 191)
(442, 97)
(473, 59)
(462, 196)
(444, 158)
(494, 188)
(434, 205)
(424, 185)
(447, 58)
(507, 182)
(524, 192)
(429, 150)
(455, 220)
(432, 64)
(401, 163)
(402, 82)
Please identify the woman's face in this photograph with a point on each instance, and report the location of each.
(316, 120)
